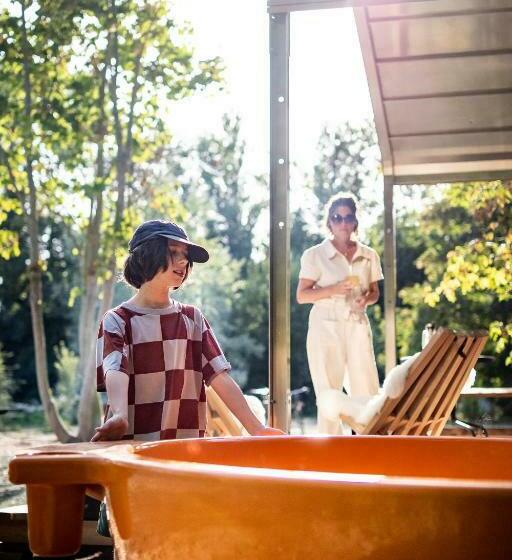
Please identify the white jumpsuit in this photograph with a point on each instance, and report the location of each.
(339, 343)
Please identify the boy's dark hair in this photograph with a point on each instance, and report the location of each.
(144, 262)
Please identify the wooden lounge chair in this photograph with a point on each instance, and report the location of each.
(432, 388)
(219, 419)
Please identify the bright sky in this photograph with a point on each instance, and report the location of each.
(327, 79)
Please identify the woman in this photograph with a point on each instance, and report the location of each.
(339, 277)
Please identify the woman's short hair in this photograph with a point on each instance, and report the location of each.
(341, 199)
(149, 258)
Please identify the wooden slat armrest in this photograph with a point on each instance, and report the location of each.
(489, 392)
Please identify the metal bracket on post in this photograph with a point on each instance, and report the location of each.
(389, 274)
(279, 316)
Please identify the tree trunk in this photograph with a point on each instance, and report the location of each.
(35, 274)
(88, 302)
(36, 309)
(89, 407)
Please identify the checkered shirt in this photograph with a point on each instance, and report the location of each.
(169, 355)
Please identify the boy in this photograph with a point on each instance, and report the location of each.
(155, 355)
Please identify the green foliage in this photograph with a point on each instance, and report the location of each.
(463, 249)
(34, 55)
(252, 318)
(61, 274)
(66, 386)
(9, 239)
(5, 383)
(481, 268)
(31, 417)
(236, 214)
(9, 244)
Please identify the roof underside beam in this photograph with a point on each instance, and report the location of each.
(283, 6)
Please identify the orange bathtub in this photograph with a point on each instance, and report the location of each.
(279, 498)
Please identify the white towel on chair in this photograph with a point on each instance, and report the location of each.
(333, 402)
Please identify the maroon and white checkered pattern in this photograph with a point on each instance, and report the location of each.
(169, 355)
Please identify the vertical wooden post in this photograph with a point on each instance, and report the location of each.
(389, 274)
(279, 316)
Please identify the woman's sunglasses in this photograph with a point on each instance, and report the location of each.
(338, 219)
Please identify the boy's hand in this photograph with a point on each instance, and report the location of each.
(113, 429)
(267, 431)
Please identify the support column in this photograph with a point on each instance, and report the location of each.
(389, 274)
(279, 315)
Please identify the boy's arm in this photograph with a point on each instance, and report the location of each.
(117, 390)
(232, 396)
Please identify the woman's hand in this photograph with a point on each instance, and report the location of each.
(359, 304)
(342, 288)
(113, 429)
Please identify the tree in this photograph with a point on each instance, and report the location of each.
(347, 162)
(478, 267)
(221, 159)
